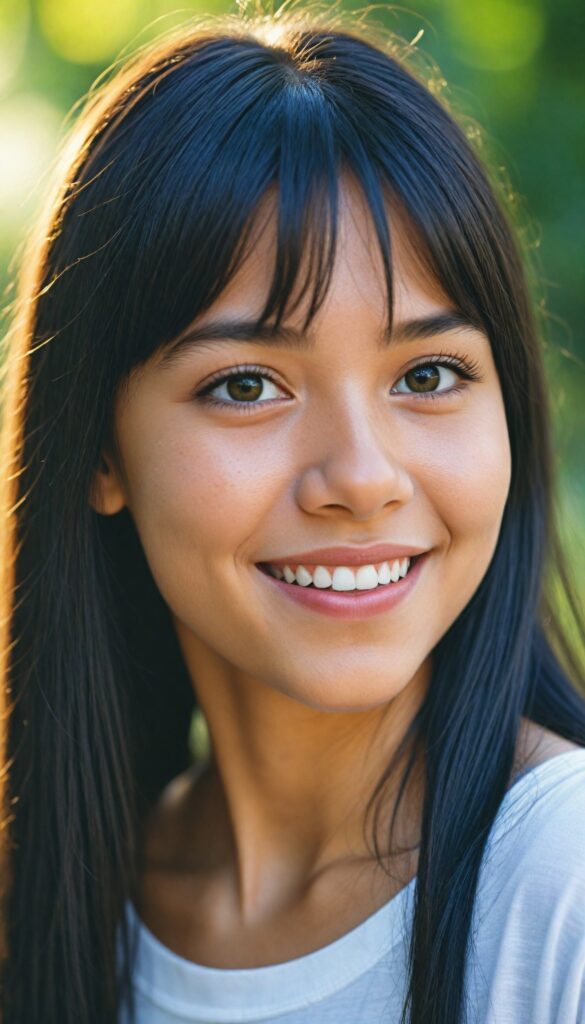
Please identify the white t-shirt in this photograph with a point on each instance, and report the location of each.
(527, 965)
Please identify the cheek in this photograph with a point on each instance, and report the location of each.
(464, 478)
(466, 475)
(197, 498)
(468, 479)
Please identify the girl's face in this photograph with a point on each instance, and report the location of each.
(327, 440)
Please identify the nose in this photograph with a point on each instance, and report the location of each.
(357, 471)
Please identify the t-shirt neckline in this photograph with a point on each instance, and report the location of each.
(246, 994)
(198, 992)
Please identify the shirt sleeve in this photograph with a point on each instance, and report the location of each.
(526, 963)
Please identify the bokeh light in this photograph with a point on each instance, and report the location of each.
(14, 24)
(86, 31)
(29, 133)
(495, 35)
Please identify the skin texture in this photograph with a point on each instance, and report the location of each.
(304, 711)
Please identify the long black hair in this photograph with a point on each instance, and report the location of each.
(162, 180)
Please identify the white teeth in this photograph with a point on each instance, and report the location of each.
(343, 579)
(366, 577)
(384, 573)
(303, 577)
(322, 577)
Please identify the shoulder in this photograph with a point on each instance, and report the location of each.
(534, 863)
(528, 938)
(541, 823)
(542, 816)
(535, 745)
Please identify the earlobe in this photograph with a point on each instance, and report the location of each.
(107, 494)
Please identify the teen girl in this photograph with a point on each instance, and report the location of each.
(276, 447)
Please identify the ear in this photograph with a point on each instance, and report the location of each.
(107, 493)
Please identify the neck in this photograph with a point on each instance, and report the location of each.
(287, 785)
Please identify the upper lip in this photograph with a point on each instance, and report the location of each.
(350, 555)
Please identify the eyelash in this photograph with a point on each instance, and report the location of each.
(467, 369)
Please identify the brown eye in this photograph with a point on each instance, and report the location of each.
(245, 388)
(428, 377)
(242, 388)
(423, 378)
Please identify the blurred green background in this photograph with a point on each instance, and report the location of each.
(514, 66)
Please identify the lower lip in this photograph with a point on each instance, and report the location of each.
(356, 604)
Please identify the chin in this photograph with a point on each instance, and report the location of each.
(347, 695)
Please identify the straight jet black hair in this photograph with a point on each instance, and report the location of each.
(157, 206)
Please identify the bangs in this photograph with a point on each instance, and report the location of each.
(273, 162)
(168, 203)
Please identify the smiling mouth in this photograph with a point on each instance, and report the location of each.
(342, 578)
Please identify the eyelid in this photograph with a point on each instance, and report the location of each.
(235, 371)
(467, 367)
(467, 370)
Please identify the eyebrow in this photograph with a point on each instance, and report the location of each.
(229, 329)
